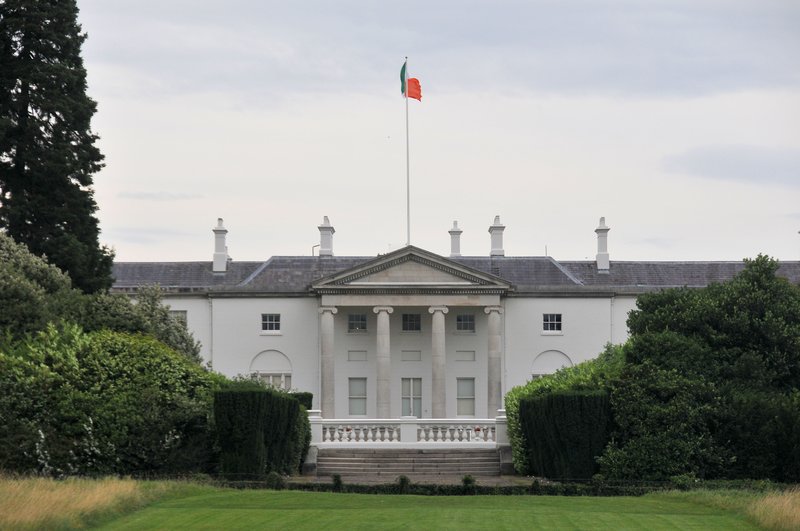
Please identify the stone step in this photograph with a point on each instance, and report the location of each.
(366, 462)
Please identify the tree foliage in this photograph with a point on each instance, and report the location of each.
(34, 293)
(710, 382)
(47, 149)
(104, 402)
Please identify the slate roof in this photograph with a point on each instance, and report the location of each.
(293, 275)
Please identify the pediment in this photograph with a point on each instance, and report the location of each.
(410, 268)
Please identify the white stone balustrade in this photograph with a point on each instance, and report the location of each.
(408, 432)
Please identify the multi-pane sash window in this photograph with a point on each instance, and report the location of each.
(465, 323)
(412, 322)
(276, 380)
(411, 394)
(270, 322)
(357, 388)
(178, 315)
(551, 322)
(357, 323)
(465, 396)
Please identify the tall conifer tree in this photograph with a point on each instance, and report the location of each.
(47, 148)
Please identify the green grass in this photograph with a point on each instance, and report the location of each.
(213, 508)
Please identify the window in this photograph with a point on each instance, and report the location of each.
(465, 396)
(465, 323)
(411, 393)
(465, 355)
(276, 380)
(358, 396)
(410, 355)
(270, 322)
(357, 323)
(356, 355)
(412, 322)
(551, 322)
(178, 315)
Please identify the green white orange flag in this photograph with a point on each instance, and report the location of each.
(409, 86)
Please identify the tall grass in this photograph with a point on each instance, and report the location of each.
(777, 510)
(35, 503)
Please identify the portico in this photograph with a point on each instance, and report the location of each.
(411, 334)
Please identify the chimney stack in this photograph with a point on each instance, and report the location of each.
(326, 231)
(603, 263)
(220, 249)
(455, 240)
(496, 230)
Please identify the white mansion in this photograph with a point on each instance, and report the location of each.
(409, 333)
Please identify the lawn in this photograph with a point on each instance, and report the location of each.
(212, 508)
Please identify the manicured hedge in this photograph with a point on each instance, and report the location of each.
(565, 431)
(305, 398)
(260, 431)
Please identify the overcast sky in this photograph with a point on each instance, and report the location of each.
(679, 121)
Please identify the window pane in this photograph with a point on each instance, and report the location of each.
(412, 322)
(287, 381)
(465, 323)
(417, 387)
(466, 406)
(465, 387)
(358, 387)
(406, 384)
(357, 322)
(417, 407)
(270, 321)
(406, 407)
(358, 406)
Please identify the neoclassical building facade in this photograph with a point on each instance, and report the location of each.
(409, 333)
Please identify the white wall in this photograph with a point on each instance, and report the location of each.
(198, 319)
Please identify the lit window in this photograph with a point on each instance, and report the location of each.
(411, 394)
(412, 322)
(465, 323)
(551, 322)
(465, 399)
(270, 322)
(358, 396)
(357, 323)
(275, 379)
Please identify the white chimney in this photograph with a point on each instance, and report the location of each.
(220, 249)
(455, 240)
(603, 264)
(496, 230)
(326, 231)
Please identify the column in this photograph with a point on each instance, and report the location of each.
(495, 359)
(327, 362)
(383, 360)
(438, 357)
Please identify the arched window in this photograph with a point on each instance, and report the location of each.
(273, 368)
(549, 362)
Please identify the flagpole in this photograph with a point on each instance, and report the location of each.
(408, 167)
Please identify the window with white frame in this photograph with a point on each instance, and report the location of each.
(357, 323)
(357, 389)
(551, 322)
(465, 323)
(412, 322)
(278, 380)
(270, 322)
(178, 315)
(411, 397)
(465, 396)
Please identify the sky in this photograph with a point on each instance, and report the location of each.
(678, 121)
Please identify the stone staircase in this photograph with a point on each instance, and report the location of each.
(393, 462)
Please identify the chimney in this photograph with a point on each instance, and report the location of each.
(455, 240)
(220, 249)
(603, 264)
(326, 231)
(496, 230)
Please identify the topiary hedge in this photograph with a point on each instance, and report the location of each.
(565, 431)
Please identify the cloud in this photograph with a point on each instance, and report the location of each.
(753, 164)
(144, 235)
(265, 51)
(158, 196)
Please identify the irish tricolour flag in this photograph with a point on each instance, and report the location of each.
(409, 86)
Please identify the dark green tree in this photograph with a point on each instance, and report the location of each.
(47, 149)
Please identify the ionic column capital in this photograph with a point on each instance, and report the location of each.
(434, 309)
(333, 309)
(489, 309)
(379, 309)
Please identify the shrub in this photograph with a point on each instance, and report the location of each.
(590, 375)
(565, 431)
